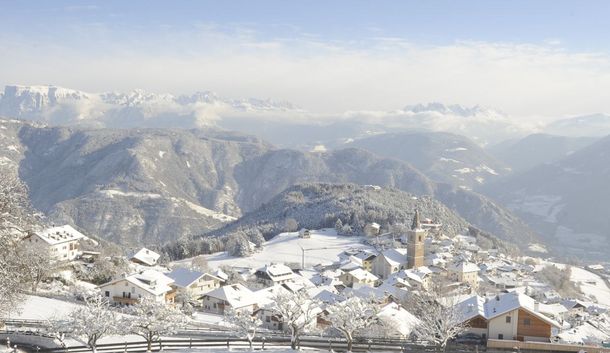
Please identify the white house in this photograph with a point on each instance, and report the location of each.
(389, 261)
(358, 277)
(194, 284)
(61, 242)
(145, 257)
(396, 321)
(274, 274)
(129, 289)
(235, 296)
(465, 272)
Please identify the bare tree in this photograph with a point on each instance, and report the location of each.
(150, 319)
(17, 220)
(297, 312)
(245, 323)
(353, 316)
(38, 263)
(440, 320)
(92, 321)
(199, 263)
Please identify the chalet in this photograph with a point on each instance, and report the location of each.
(419, 278)
(235, 296)
(62, 242)
(193, 284)
(389, 261)
(145, 257)
(358, 277)
(274, 274)
(465, 272)
(128, 290)
(510, 316)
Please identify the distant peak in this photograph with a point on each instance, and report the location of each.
(454, 109)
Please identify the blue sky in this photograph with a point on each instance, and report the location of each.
(524, 57)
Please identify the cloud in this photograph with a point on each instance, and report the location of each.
(322, 76)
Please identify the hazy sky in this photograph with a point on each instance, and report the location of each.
(526, 58)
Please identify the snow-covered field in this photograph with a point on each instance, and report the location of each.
(323, 247)
(591, 285)
(41, 308)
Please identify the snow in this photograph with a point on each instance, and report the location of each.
(592, 285)
(188, 164)
(457, 149)
(162, 153)
(535, 247)
(12, 148)
(464, 170)
(206, 211)
(443, 159)
(318, 149)
(41, 308)
(323, 247)
(147, 195)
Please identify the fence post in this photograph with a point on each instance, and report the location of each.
(263, 345)
(125, 349)
(160, 344)
(228, 343)
(190, 342)
(330, 344)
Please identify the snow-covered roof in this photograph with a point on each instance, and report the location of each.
(277, 272)
(397, 318)
(395, 256)
(502, 304)
(151, 281)
(465, 267)
(184, 277)
(61, 234)
(236, 295)
(471, 308)
(146, 256)
(363, 275)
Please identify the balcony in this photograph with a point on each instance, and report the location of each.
(124, 300)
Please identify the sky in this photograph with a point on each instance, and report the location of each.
(525, 58)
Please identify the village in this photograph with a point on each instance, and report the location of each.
(485, 295)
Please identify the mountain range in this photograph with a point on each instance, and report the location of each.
(136, 186)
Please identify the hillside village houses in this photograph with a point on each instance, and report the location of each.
(499, 297)
(61, 242)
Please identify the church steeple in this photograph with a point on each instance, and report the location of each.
(416, 223)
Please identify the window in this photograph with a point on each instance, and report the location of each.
(133, 289)
(527, 322)
(268, 318)
(107, 293)
(508, 318)
(500, 336)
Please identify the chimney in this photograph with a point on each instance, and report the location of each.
(536, 306)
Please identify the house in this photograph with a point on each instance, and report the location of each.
(145, 257)
(389, 261)
(129, 289)
(235, 296)
(372, 229)
(358, 277)
(365, 259)
(193, 284)
(511, 316)
(274, 274)
(61, 242)
(465, 272)
(420, 277)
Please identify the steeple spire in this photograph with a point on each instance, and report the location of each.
(416, 222)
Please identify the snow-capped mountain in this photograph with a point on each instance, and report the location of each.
(138, 108)
(587, 125)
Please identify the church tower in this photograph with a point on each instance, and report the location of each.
(415, 243)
